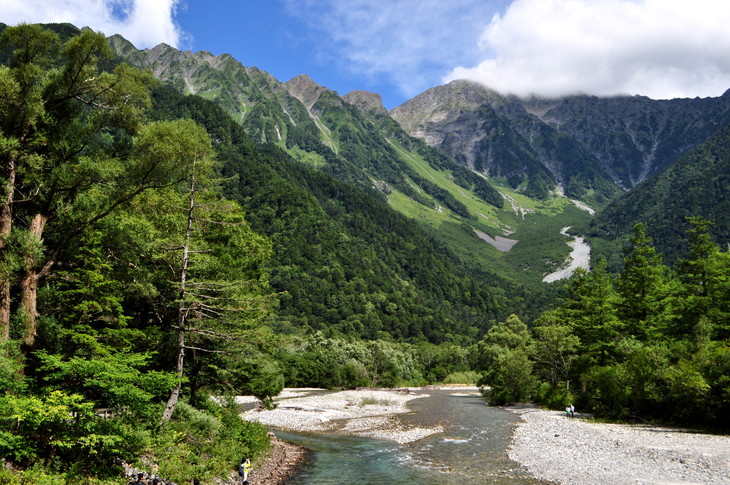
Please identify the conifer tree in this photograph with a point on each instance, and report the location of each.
(590, 309)
(645, 306)
(218, 261)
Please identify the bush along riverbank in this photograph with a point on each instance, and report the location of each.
(207, 442)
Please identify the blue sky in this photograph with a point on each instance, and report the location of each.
(399, 48)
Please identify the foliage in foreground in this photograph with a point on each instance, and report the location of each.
(99, 207)
(206, 444)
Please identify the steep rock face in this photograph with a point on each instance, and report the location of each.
(634, 136)
(366, 101)
(605, 142)
(697, 184)
(431, 114)
(496, 135)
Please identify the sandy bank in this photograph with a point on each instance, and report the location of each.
(579, 452)
(367, 412)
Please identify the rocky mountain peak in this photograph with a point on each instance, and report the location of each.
(305, 90)
(443, 102)
(366, 101)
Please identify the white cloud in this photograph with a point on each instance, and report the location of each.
(658, 48)
(145, 23)
(411, 43)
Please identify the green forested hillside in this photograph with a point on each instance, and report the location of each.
(697, 184)
(363, 146)
(344, 261)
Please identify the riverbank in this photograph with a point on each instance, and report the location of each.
(281, 463)
(580, 452)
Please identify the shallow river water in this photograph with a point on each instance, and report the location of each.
(472, 449)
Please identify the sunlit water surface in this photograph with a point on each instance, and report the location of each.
(472, 449)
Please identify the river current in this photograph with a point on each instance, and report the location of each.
(472, 449)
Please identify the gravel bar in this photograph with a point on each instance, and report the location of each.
(577, 451)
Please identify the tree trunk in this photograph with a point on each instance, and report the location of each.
(29, 284)
(5, 309)
(6, 224)
(28, 306)
(182, 308)
(175, 395)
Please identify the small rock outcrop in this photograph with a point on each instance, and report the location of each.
(305, 90)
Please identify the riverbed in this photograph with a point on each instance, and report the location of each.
(365, 437)
(579, 257)
(460, 439)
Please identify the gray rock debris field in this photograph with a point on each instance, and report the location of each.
(574, 451)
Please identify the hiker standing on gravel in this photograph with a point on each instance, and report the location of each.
(244, 469)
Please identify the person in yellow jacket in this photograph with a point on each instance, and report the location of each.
(244, 469)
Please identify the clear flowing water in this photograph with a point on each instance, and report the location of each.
(472, 449)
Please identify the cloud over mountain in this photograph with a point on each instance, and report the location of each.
(145, 23)
(658, 48)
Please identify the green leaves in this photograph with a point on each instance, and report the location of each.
(57, 425)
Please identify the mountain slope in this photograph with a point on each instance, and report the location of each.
(698, 184)
(344, 262)
(634, 136)
(590, 145)
(494, 134)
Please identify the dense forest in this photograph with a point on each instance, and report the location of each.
(152, 255)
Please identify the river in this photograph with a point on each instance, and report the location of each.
(472, 449)
(579, 257)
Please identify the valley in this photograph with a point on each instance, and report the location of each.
(177, 229)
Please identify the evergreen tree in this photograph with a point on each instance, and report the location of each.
(590, 309)
(217, 260)
(704, 274)
(60, 153)
(645, 304)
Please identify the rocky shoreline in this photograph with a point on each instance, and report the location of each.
(282, 463)
(576, 451)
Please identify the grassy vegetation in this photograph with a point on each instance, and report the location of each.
(311, 159)
(536, 224)
(373, 401)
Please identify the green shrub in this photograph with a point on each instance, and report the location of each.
(467, 377)
(194, 422)
(207, 444)
(8, 477)
(553, 397)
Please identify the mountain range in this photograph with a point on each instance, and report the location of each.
(487, 147)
